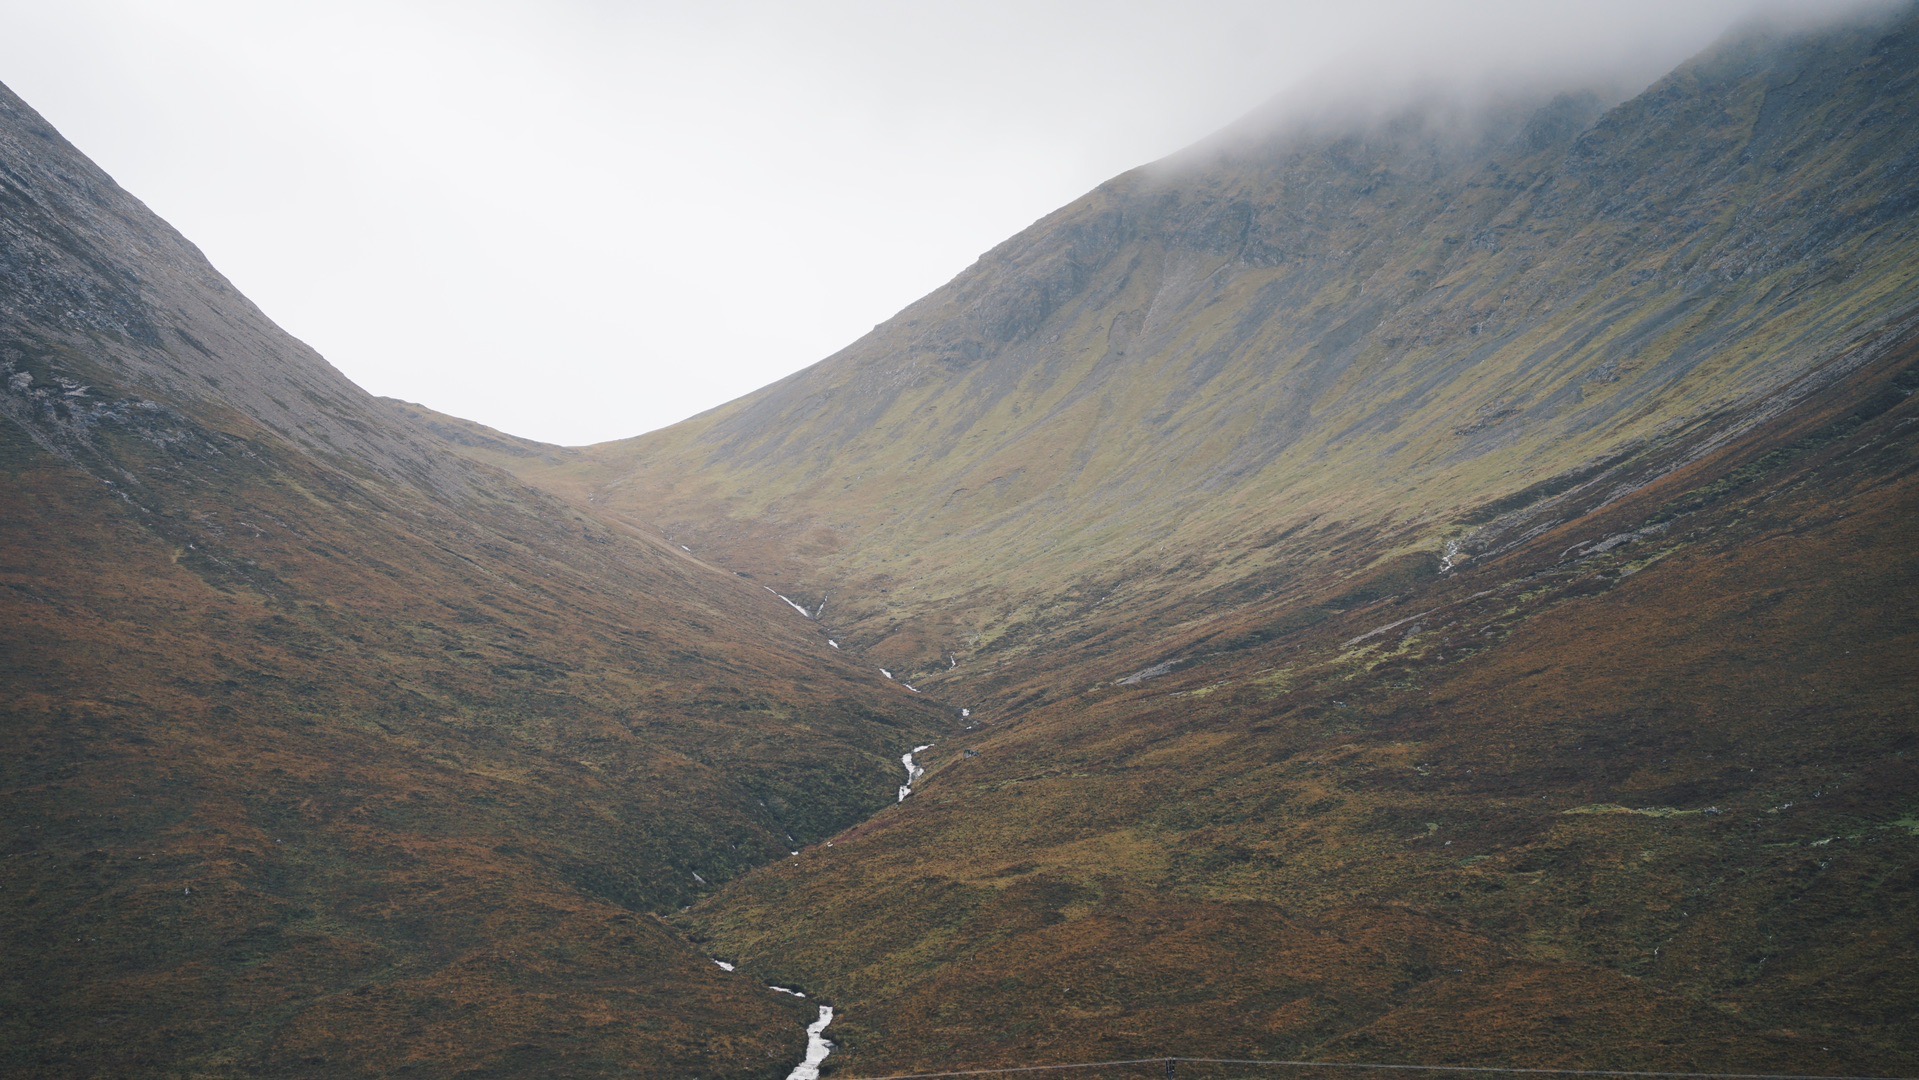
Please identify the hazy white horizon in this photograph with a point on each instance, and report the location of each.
(579, 221)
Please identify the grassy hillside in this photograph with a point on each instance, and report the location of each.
(327, 752)
(1638, 792)
(1191, 382)
(1439, 589)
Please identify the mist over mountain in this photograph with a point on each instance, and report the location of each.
(1426, 583)
(1328, 327)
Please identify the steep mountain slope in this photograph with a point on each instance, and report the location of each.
(1191, 386)
(327, 752)
(1639, 792)
(1441, 588)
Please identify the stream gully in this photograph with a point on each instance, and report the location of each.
(818, 1046)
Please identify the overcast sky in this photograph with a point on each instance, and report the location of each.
(578, 220)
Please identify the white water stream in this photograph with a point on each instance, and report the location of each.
(913, 772)
(817, 1044)
(817, 1047)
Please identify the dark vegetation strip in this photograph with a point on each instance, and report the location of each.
(1170, 1062)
